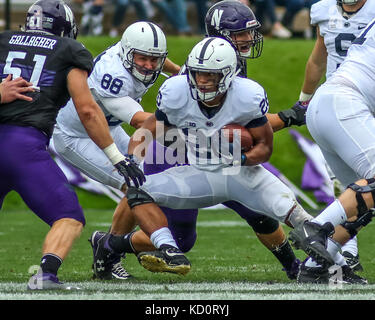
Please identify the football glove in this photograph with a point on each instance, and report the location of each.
(130, 171)
(296, 115)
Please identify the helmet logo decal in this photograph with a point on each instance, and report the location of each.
(36, 19)
(203, 51)
(156, 42)
(68, 13)
(252, 23)
(216, 17)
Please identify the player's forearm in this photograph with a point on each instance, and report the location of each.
(262, 145)
(275, 121)
(139, 118)
(260, 153)
(313, 74)
(142, 137)
(96, 126)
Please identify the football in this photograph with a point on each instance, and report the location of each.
(246, 138)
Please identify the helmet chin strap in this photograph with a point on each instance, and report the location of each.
(214, 105)
(349, 13)
(210, 105)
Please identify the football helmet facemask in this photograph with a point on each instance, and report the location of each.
(214, 56)
(53, 17)
(147, 39)
(227, 18)
(348, 2)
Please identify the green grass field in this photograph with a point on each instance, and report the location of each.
(228, 262)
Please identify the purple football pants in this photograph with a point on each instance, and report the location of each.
(182, 223)
(27, 168)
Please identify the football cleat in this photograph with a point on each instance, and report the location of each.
(107, 264)
(352, 261)
(103, 255)
(317, 275)
(166, 259)
(47, 281)
(312, 238)
(119, 272)
(349, 277)
(333, 275)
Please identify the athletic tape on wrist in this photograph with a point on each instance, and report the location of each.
(304, 96)
(113, 154)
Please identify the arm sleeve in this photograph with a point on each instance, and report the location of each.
(162, 117)
(258, 122)
(123, 108)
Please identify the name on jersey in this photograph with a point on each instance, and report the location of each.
(33, 41)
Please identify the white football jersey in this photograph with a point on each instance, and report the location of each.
(109, 79)
(338, 32)
(359, 66)
(245, 101)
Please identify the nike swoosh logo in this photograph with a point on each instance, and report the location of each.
(173, 254)
(361, 27)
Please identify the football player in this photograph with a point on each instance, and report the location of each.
(182, 225)
(122, 74)
(243, 34)
(338, 23)
(47, 55)
(92, 18)
(199, 104)
(340, 118)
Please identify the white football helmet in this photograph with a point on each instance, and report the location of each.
(211, 55)
(148, 39)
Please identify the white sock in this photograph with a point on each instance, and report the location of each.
(351, 246)
(334, 213)
(333, 247)
(162, 236)
(339, 259)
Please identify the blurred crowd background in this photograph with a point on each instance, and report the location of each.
(279, 18)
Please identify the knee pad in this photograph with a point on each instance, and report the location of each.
(362, 221)
(365, 215)
(361, 204)
(137, 197)
(186, 243)
(264, 225)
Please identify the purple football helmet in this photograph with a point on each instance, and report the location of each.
(227, 18)
(51, 16)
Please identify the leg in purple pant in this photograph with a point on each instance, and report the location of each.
(27, 168)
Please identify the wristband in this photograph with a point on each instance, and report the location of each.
(304, 96)
(243, 159)
(113, 154)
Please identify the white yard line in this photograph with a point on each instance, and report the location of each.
(192, 291)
